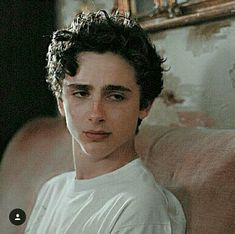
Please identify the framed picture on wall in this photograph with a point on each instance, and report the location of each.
(156, 15)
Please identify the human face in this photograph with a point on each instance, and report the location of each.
(101, 104)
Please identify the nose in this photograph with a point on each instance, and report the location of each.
(97, 114)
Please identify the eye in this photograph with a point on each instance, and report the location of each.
(80, 94)
(116, 97)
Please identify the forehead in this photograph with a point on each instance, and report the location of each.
(102, 69)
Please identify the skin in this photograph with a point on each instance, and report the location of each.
(101, 108)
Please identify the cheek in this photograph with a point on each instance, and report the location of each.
(72, 115)
(125, 121)
(73, 109)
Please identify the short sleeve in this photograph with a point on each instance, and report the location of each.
(175, 213)
(152, 213)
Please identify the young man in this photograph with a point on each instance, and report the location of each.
(105, 74)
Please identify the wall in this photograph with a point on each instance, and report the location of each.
(199, 87)
(67, 9)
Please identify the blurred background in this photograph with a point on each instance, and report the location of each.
(25, 28)
(195, 36)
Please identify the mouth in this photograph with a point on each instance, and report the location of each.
(97, 135)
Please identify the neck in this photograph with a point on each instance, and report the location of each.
(88, 167)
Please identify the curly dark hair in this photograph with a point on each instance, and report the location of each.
(100, 32)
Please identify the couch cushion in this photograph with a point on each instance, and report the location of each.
(198, 166)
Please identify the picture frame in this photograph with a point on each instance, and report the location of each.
(158, 15)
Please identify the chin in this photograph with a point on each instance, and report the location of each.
(95, 151)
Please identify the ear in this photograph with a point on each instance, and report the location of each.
(60, 105)
(145, 111)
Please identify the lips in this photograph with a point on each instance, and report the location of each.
(97, 135)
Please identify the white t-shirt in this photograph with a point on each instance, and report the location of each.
(127, 200)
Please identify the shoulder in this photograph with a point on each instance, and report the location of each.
(146, 196)
(144, 185)
(151, 193)
(62, 178)
(59, 182)
(153, 203)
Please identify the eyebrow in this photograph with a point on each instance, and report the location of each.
(106, 87)
(116, 88)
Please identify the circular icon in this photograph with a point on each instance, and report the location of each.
(17, 216)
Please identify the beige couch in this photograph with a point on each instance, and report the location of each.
(197, 165)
